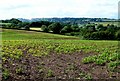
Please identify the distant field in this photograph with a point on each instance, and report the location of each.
(35, 28)
(4, 23)
(106, 23)
(9, 34)
(33, 55)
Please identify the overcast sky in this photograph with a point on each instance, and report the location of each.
(58, 8)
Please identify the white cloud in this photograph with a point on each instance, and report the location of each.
(58, 8)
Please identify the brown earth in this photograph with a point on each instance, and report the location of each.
(55, 66)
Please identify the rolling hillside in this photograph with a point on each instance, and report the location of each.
(36, 55)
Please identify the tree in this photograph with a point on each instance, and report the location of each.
(44, 28)
(14, 21)
(117, 35)
(36, 24)
(66, 29)
(100, 27)
(91, 27)
(23, 25)
(55, 27)
(112, 28)
(27, 27)
(47, 23)
(101, 35)
(40, 23)
(75, 28)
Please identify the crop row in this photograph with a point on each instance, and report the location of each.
(106, 50)
(59, 46)
(16, 48)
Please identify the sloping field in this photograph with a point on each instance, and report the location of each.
(29, 55)
(8, 34)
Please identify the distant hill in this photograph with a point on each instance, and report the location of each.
(66, 20)
(69, 20)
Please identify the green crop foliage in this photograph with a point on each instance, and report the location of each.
(106, 57)
(100, 61)
(18, 70)
(85, 76)
(114, 64)
(17, 43)
(88, 60)
(5, 74)
(50, 73)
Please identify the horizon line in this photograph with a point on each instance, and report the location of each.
(58, 17)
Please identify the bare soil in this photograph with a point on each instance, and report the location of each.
(55, 66)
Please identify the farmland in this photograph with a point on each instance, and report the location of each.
(36, 55)
(106, 23)
(35, 28)
(28, 35)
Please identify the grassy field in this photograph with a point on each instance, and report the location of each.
(4, 23)
(37, 55)
(106, 23)
(35, 28)
(8, 34)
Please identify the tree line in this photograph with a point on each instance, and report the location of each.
(89, 31)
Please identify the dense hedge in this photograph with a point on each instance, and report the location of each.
(101, 35)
